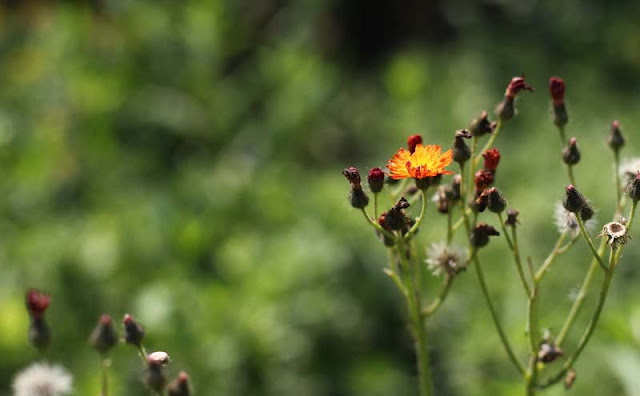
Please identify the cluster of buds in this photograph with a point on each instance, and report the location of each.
(156, 377)
(506, 109)
(39, 332)
(396, 219)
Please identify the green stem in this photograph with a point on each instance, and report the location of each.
(587, 238)
(592, 323)
(423, 209)
(420, 337)
(494, 317)
(533, 329)
(104, 365)
(433, 307)
(516, 255)
(552, 255)
(143, 353)
(570, 172)
(563, 137)
(377, 226)
(472, 168)
(449, 227)
(375, 205)
(616, 161)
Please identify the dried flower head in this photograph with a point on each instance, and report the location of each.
(376, 180)
(448, 259)
(512, 218)
(353, 175)
(516, 85)
(549, 352)
(566, 221)
(155, 377)
(41, 379)
(413, 141)
(37, 302)
(483, 179)
(159, 357)
(425, 161)
(616, 234)
(569, 379)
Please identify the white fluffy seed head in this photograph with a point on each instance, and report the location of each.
(41, 379)
(443, 258)
(566, 221)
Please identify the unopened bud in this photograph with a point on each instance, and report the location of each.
(382, 221)
(413, 141)
(491, 159)
(557, 88)
(516, 85)
(506, 109)
(512, 218)
(358, 198)
(104, 336)
(616, 140)
(571, 154)
(633, 188)
(481, 202)
(155, 377)
(548, 352)
(39, 333)
(481, 125)
(395, 218)
(376, 180)
(481, 233)
(495, 201)
(483, 180)
(180, 386)
(133, 332)
(573, 200)
(461, 152)
(37, 303)
(455, 188)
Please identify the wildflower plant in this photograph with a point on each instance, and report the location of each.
(469, 195)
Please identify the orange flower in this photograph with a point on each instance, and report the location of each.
(426, 161)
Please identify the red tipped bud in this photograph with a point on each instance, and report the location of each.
(104, 336)
(516, 85)
(37, 303)
(483, 180)
(180, 386)
(413, 141)
(506, 109)
(352, 175)
(491, 159)
(576, 203)
(616, 140)
(481, 125)
(556, 88)
(571, 154)
(133, 332)
(376, 180)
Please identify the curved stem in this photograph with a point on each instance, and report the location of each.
(377, 226)
(516, 255)
(587, 238)
(490, 142)
(552, 255)
(423, 209)
(533, 329)
(494, 317)
(433, 307)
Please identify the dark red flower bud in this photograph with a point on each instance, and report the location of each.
(376, 180)
(461, 152)
(616, 140)
(104, 336)
(516, 85)
(413, 141)
(180, 386)
(573, 200)
(37, 303)
(495, 201)
(482, 201)
(481, 125)
(571, 154)
(481, 233)
(483, 179)
(133, 332)
(352, 175)
(491, 159)
(556, 88)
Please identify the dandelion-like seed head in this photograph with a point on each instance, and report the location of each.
(629, 169)
(41, 379)
(425, 161)
(443, 258)
(566, 221)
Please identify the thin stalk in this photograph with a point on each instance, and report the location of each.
(104, 366)
(494, 317)
(377, 226)
(433, 307)
(449, 227)
(570, 244)
(570, 172)
(420, 337)
(516, 256)
(533, 329)
(143, 353)
(587, 238)
(375, 205)
(592, 323)
(423, 209)
(563, 137)
(472, 167)
(552, 255)
(616, 161)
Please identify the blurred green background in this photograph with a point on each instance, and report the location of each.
(180, 161)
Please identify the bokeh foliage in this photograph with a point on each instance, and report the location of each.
(180, 161)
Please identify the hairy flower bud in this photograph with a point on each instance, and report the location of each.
(495, 201)
(483, 180)
(133, 332)
(506, 109)
(413, 141)
(573, 200)
(491, 160)
(481, 125)
(456, 183)
(155, 377)
(633, 188)
(353, 175)
(571, 154)
(358, 198)
(616, 140)
(395, 219)
(512, 218)
(557, 88)
(376, 180)
(104, 336)
(461, 152)
(481, 233)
